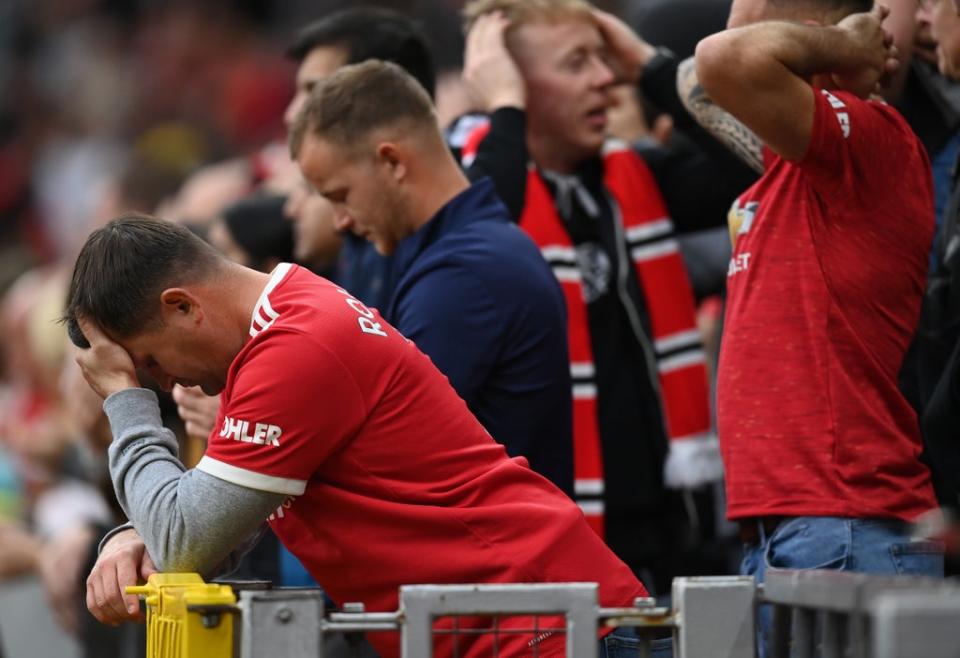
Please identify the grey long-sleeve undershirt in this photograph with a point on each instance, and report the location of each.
(189, 520)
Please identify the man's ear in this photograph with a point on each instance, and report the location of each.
(177, 303)
(393, 156)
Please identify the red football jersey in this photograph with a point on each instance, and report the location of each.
(824, 291)
(391, 480)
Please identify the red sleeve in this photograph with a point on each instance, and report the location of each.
(292, 403)
(857, 147)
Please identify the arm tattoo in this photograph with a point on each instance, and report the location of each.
(717, 121)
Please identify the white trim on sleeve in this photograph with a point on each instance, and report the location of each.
(251, 479)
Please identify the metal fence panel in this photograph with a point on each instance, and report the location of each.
(281, 623)
(909, 624)
(421, 604)
(715, 617)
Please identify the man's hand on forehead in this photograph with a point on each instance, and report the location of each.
(628, 53)
(106, 365)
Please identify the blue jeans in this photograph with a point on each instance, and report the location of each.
(624, 643)
(877, 546)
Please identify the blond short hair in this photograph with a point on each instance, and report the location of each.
(519, 12)
(358, 99)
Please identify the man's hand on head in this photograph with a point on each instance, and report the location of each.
(489, 72)
(628, 53)
(106, 365)
(875, 57)
(124, 561)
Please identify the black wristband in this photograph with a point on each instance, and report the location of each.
(664, 60)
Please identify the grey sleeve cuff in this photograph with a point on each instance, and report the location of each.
(110, 535)
(133, 409)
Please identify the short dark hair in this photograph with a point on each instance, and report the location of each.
(124, 267)
(371, 33)
(361, 98)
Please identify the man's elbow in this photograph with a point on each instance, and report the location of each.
(715, 60)
(181, 555)
(185, 562)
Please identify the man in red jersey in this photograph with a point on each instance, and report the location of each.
(820, 448)
(939, 332)
(333, 427)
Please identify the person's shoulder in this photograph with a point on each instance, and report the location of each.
(492, 246)
(863, 140)
(298, 286)
(273, 361)
(873, 113)
(468, 235)
(280, 345)
(501, 266)
(306, 302)
(311, 314)
(289, 357)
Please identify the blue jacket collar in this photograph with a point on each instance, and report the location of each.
(471, 205)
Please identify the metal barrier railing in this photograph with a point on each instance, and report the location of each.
(814, 612)
(721, 606)
(835, 614)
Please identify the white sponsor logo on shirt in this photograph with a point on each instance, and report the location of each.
(739, 263)
(239, 430)
(749, 213)
(366, 320)
(842, 117)
(741, 218)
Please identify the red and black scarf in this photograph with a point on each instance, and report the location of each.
(650, 241)
(678, 354)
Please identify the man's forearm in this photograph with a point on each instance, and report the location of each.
(189, 520)
(857, 52)
(805, 50)
(762, 74)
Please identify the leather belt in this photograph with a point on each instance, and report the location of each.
(750, 527)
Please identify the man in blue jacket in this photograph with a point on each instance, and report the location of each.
(473, 292)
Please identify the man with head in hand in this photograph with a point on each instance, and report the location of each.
(334, 429)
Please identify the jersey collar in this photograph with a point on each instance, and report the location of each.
(263, 313)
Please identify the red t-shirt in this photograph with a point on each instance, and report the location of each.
(824, 291)
(391, 480)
